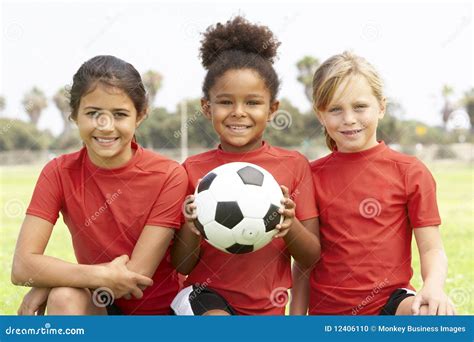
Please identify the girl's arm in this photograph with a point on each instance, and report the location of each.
(302, 240)
(303, 243)
(186, 248)
(434, 268)
(150, 249)
(187, 242)
(34, 302)
(31, 267)
(300, 275)
(299, 290)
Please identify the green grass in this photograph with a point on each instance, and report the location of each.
(455, 196)
(17, 184)
(456, 203)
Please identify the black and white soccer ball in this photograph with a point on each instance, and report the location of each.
(237, 207)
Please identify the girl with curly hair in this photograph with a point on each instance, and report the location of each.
(239, 98)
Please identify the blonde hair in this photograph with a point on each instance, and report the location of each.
(330, 75)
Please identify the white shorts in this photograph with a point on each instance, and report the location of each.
(195, 300)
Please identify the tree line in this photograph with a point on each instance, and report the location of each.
(164, 129)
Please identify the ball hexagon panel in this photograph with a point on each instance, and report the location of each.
(205, 207)
(217, 233)
(273, 190)
(226, 187)
(264, 239)
(253, 201)
(248, 231)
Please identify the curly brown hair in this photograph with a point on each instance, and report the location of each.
(239, 44)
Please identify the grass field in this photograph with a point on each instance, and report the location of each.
(456, 203)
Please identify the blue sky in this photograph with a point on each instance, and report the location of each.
(416, 46)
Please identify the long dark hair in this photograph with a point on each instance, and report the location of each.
(110, 71)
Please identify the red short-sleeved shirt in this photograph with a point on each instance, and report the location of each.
(368, 203)
(107, 209)
(247, 281)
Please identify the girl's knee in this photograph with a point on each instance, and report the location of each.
(404, 308)
(216, 312)
(68, 300)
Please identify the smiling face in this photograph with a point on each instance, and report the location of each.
(239, 107)
(107, 120)
(352, 115)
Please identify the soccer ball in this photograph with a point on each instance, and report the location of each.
(237, 207)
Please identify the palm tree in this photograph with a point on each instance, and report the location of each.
(34, 102)
(61, 101)
(468, 101)
(447, 91)
(2, 104)
(306, 68)
(152, 81)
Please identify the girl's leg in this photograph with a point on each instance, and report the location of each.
(216, 312)
(72, 301)
(405, 307)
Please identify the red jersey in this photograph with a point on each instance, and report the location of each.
(107, 209)
(250, 282)
(368, 202)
